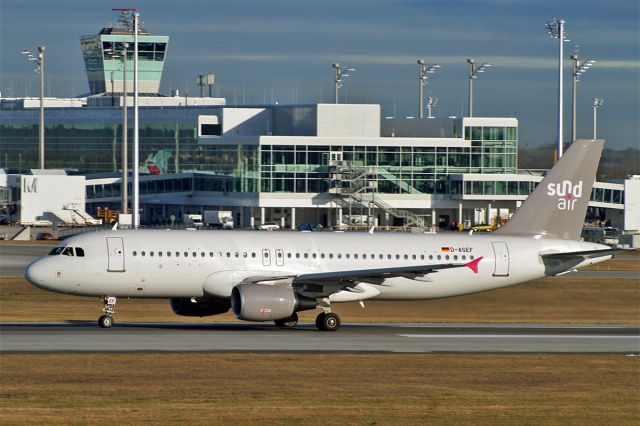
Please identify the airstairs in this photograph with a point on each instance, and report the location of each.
(354, 187)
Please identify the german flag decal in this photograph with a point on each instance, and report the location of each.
(445, 249)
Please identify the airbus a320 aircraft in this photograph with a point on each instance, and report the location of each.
(270, 276)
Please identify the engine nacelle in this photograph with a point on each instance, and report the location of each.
(261, 302)
(201, 307)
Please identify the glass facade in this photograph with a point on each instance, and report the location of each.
(90, 142)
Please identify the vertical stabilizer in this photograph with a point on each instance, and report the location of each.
(557, 207)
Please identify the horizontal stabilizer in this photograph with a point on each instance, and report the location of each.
(559, 263)
(589, 254)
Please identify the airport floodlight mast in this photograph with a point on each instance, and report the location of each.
(473, 74)
(39, 60)
(579, 68)
(431, 103)
(122, 55)
(340, 73)
(424, 70)
(205, 80)
(556, 29)
(597, 103)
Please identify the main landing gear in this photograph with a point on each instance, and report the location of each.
(106, 320)
(292, 321)
(327, 320)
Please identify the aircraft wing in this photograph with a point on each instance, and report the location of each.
(322, 284)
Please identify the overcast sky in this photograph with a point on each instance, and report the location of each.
(282, 50)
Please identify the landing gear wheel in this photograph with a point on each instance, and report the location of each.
(105, 321)
(328, 322)
(292, 321)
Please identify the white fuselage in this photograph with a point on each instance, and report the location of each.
(172, 264)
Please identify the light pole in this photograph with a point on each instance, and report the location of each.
(136, 137)
(125, 126)
(431, 103)
(423, 73)
(597, 103)
(579, 68)
(340, 73)
(39, 60)
(473, 73)
(556, 30)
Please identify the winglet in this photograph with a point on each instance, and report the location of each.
(473, 265)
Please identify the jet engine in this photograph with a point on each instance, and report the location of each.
(261, 302)
(199, 307)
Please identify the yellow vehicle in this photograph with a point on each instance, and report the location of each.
(483, 228)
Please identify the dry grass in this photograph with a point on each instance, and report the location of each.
(551, 300)
(319, 389)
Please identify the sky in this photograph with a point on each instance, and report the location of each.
(282, 50)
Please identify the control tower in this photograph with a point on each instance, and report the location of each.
(104, 58)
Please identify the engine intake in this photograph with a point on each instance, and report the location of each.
(202, 307)
(261, 302)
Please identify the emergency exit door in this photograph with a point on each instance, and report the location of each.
(501, 253)
(115, 251)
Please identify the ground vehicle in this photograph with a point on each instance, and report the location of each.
(602, 235)
(193, 220)
(218, 219)
(45, 236)
(268, 226)
(483, 228)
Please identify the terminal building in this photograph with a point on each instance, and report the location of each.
(337, 165)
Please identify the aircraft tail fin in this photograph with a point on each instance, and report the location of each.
(557, 207)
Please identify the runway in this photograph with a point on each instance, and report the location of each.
(351, 338)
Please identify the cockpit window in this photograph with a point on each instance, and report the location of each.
(56, 251)
(79, 252)
(68, 251)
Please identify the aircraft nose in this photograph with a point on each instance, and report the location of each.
(35, 273)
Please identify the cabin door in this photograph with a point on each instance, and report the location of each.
(115, 251)
(502, 259)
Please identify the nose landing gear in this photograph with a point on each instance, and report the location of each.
(106, 320)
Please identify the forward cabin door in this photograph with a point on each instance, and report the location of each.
(115, 251)
(502, 259)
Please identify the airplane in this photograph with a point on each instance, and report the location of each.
(271, 276)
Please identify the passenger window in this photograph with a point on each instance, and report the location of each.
(135, 253)
(330, 255)
(455, 257)
(142, 254)
(380, 256)
(68, 251)
(464, 257)
(439, 257)
(177, 254)
(430, 257)
(297, 255)
(406, 257)
(472, 257)
(306, 255)
(355, 256)
(159, 254)
(253, 254)
(186, 254)
(244, 254)
(168, 254)
(339, 255)
(397, 257)
(314, 255)
(228, 254)
(447, 257)
(414, 257)
(321, 255)
(151, 253)
(210, 254)
(422, 257)
(194, 254)
(388, 256)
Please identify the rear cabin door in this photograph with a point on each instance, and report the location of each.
(266, 257)
(502, 259)
(115, 251)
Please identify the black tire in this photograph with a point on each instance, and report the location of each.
(292, 321)
(319, 320)
(329, 322)
(105, 321)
